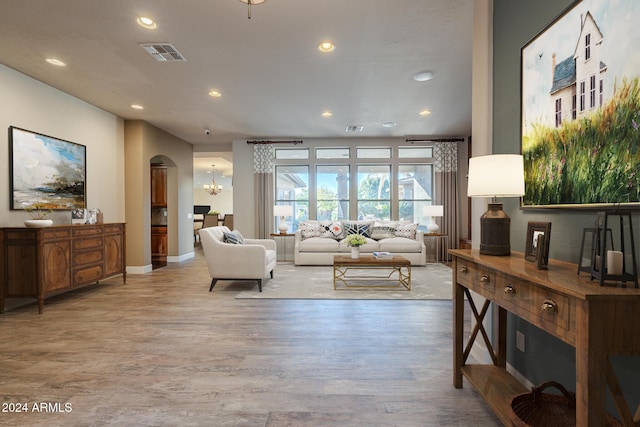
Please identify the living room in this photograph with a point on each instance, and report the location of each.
(119, 149)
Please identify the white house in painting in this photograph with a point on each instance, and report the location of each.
(578, 81)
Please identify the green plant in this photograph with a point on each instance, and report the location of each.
(213, 213)
(355, 240)
(37, 210)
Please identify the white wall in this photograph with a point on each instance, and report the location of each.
(32, 105)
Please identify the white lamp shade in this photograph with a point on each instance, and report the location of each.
(433, 210)
(496, 175)
(283, 210)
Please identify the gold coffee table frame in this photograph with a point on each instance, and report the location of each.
(343, 265)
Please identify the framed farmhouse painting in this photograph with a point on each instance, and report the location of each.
(46, 171)
(580, 112)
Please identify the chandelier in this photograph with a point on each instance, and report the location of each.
(213, 188)
(250, 3)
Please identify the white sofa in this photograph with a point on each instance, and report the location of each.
(250, 259)
(316, 242)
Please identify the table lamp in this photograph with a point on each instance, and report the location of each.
(282, 211)
(433, 211)
(496, 175)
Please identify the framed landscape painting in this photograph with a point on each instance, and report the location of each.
(46, 171)
(580, 111)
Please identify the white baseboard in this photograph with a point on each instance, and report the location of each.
(134, 269)
(517, 375)
(181, 258)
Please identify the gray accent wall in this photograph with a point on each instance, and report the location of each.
(515, 22)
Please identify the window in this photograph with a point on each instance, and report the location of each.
(573, 107)
(292, 188)
(414, 191)
(582, 95)
(558, 112)
(374, 196)
(332, 153)
(592, 91)
(292, 153)
(415, 152)
(374, 153)
(332, 192)
(587, 47)
(601, 92)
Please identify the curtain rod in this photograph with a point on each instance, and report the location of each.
(436, 140)
(294, 142)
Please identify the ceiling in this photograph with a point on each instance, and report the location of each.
(274, 81)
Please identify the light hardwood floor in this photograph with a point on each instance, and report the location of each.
(163, 351)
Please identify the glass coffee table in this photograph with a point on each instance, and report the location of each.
(369, 272)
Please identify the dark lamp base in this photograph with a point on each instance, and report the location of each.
(495, 231)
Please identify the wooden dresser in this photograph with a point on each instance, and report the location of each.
(40, 262)
(597, 321)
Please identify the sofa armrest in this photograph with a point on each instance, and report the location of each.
(266, 243)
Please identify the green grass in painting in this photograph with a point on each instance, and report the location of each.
(594, 159)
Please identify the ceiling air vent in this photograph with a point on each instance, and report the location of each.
(354, 128)
(163, 52)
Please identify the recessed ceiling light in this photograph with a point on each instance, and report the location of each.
(423, 76)
(424, 112)
(327, 114)
(56, 62)
(147, 23)
(214, 94)
(326, 47)
(137, 107)
(389, 124)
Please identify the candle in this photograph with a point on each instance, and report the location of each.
(614, 262)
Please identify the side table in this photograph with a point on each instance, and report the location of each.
(441, 240)
(283, 244)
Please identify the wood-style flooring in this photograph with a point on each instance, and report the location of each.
(163, 351)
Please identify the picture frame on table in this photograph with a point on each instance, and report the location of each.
(78, 216)
(537, 242)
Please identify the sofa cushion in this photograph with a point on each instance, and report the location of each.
(270, 256)
(383, 229)
(309, 229)
(233, 238)
(400, 244)
(331, 229)
(318, 244)
(406, 229)
(357, 227)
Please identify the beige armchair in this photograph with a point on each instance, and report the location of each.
(255, 259)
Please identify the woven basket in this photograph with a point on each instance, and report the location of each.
(538, 409)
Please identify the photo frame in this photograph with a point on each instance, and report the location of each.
(532, 250)
(78, 216)
(580, 134)
(47, 171)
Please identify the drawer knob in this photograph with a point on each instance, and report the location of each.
(464, 269)
(509, 289)
(484, 278)
(549, 306)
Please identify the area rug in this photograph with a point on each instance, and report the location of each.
(430, 282)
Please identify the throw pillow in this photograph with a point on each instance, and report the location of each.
(383, 229)
(310, 229)
(406, 229)
(331, 229)
(232, 238)
(357, 227)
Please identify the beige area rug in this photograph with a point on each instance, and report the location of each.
(316, 282)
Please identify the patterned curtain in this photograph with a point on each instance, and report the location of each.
(445, 156)
(263, 189)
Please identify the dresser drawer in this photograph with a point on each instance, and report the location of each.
(88, 275)
(89, 243)
(475, 277)
(86, 230)
(55, 233)
(88, 257)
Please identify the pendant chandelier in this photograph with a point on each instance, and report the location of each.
(250, 3)
(213, 188)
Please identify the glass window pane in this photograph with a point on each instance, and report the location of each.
(415, 152)
(374, 191)
(332, 192)
(292, 153)
(332, 153)
(374, 153)
(292, 188)
(414, 182)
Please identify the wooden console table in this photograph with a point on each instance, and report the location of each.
(40, 262)
(597, 321)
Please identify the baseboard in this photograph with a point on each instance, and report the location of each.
(131, 269)
(181, 258)
(517, 375)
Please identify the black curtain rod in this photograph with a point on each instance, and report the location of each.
(436, 140)
(294, 142)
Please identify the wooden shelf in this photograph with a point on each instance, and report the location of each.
(496, 386)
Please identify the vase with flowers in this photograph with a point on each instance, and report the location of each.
(38, 213)
(355, 241)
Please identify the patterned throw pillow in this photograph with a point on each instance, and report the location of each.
(331, 229)
(310, 229)
(383, 229)
(232, 238)
(357, 227)
(406, 229)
